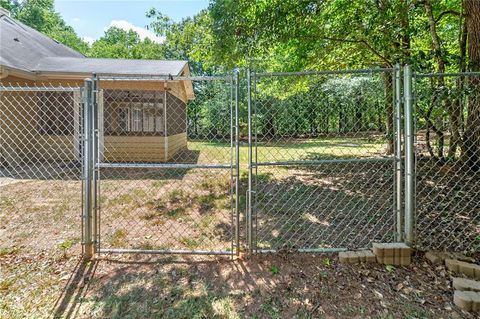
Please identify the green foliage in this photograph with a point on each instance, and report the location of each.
(390, 268)
(118, 43)
(274, 270)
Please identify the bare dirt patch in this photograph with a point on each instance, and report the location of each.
(265, 286)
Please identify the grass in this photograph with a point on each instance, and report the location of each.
(190, 210)
(304, 149)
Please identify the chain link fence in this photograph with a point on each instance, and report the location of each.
(324, 160)
(447, 147)
(314, 159)
(40, 168)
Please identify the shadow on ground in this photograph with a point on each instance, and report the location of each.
(267, 286)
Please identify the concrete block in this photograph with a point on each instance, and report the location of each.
(464, 284)
(344, 257)
(389, 260)
(434, 258)
(405, 261)
(468, 269)
(393, 253)
(452, 264)
(467, 300)
(438, 257)
(360, 255)
(462, 300)
(370, 256)
(378, 249)
(355, 257)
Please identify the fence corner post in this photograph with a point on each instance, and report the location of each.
(409, 158)
(88, 246)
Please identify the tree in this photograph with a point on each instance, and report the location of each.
(471, 142)
(118, 43)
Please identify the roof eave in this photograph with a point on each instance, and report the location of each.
(10, 71)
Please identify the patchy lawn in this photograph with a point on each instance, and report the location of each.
(325, 206)
(265, 286)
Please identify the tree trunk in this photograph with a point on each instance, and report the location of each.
(388, 87)
(471, 145)
(456, 116)
(440, 89)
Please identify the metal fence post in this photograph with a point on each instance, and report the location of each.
(96, 157)
(250, 162)
(409, 157)
(237, 162)
(88, 169)
(398, 152)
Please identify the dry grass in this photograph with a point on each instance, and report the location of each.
(191, 209)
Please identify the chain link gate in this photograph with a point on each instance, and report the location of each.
(324, 167)
(164, 177)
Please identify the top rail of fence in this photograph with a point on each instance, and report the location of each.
(453, 74)
(326, 72)
(105, 77)
(10, 88)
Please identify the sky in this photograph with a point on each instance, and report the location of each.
(90, 18)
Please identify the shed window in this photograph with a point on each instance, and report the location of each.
(55, 113)
(131, 112)
(139, 120)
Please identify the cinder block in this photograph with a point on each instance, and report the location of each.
(434, 258)
(462, 300)
(467, 300)
(378, 249)
(452, 264)
(464, 284)
(360, 254)
(344, 257)
(468, 269)
(348, 257)
(370, 256)
(439, 257)
(389, 260)
(405, 261)
(475, 300)
(389, 251)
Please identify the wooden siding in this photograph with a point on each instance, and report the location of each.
(56, 147)
(142, 148)
(18, 126)
(176, 143)
(134, 148)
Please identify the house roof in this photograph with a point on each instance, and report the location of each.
(21, 47)
(25, 49)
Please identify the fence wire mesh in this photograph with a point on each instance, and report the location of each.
(40, 168)
(166, 166)
(447, 147)
(324, 170)
(323, 160)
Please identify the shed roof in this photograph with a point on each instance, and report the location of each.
(109, 66)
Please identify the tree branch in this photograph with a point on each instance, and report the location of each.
(444, 13)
